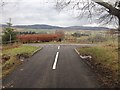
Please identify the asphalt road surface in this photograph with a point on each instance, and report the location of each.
(55, 66)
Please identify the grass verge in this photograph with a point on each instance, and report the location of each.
(104, 61)
(9, 65)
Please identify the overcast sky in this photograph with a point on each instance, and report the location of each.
(24, 12)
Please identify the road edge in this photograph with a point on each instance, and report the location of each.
(83, 59)
(37, 51)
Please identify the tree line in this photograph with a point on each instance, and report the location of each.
(11, 36)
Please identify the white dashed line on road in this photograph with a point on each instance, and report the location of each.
(55, 62)
(58, 47)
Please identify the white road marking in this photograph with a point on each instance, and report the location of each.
(3, 86)
(83, 57)
(11, 86)
(55, 62)
(77, 51)
(58, 47)
(21, 69)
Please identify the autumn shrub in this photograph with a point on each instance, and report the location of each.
(38, 37)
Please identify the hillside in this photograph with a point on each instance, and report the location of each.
(44, 26)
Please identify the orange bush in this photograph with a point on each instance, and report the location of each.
(38, 37)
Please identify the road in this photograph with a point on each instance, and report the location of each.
(55, 66)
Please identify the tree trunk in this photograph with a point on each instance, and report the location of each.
(119, 24)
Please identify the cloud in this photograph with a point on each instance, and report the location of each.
(97, 25)
(38, 12)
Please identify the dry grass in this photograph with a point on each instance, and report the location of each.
(13, 62)
(105, 60)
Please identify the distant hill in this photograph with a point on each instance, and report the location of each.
(86, 28)
(3, 25)
(44, 26)
(38, 26)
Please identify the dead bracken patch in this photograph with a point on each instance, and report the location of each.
(5, 58)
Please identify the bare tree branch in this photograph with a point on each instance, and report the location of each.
(112, 10)
(105, 11)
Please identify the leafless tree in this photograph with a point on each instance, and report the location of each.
(107, 11)
(60, 33)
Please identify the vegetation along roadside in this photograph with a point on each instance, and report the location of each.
(104, 62)
(15, 56)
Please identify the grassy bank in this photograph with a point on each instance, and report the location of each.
(11, 59)
(104, 61)
(21, 49)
